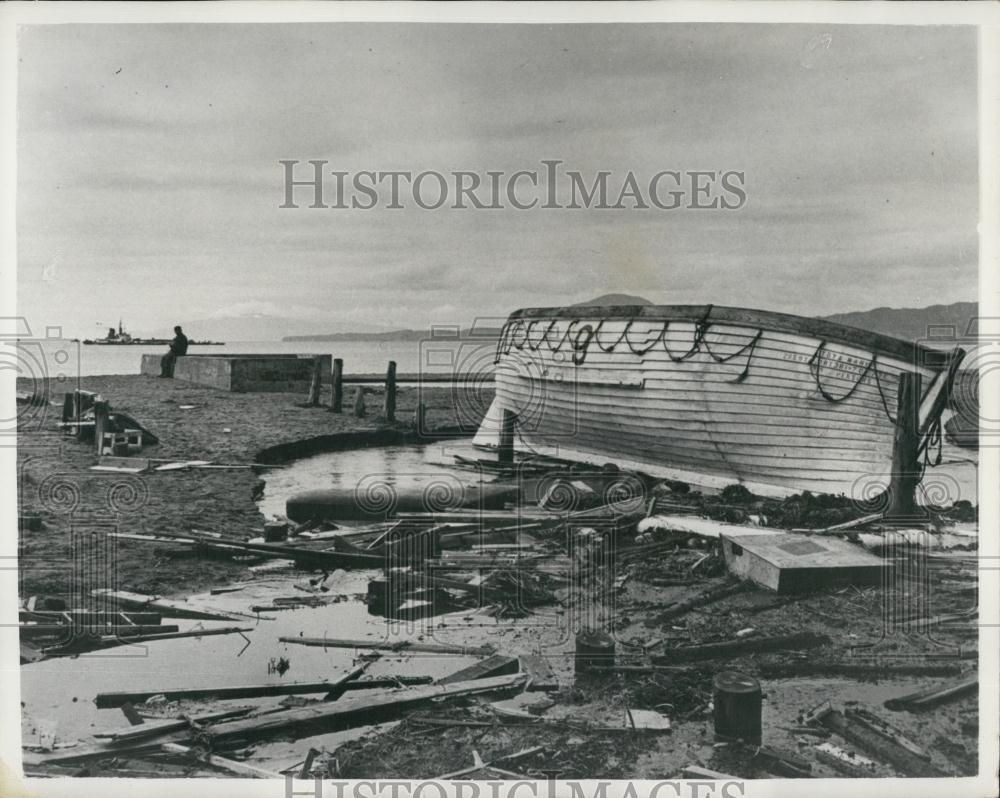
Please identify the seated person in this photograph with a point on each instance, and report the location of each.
(178, 348)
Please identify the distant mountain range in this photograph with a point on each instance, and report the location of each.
(393, 335)
(913, 324)
(910, 324)
(907, 323)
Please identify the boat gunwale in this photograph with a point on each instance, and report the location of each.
(915, 354)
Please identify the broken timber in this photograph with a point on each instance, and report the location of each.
(110, 700)
(169, 607)
(705, 597)
(735, 648)
(353, 711)
(319, 558)
(229, 765)
(497, 665)
(540, 674)
(881, 748)
(914, 702)
(399, 646)
(88, 643)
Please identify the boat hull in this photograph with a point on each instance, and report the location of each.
(710, 402)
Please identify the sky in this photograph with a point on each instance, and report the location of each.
(149, 181)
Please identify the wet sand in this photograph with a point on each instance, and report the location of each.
(56, 484)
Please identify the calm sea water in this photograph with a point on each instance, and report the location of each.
(360, 357)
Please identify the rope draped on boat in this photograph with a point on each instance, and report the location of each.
(518, 334)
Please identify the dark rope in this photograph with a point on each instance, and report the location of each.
(700, 327)
(580, 350)
(641, 352)
(613, 346)
(751, 345)
(932, 438)
(819, 386)
(881, 395)
(569, 329)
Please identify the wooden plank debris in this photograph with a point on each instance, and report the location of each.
(739, 647)
(116, 699)
(925, 699)
(883, 728)
(229, 765)
(481, 765)
(169, 607)
(95, 643)
(497, 665)
(384, 645)
(704, 774)
(156, 728)
(540, 674)
(884, 750)
(647, 720)
(858, 670)
(784, 763)
(353, 711)
(314, 558)
(707, 596)
(32, 631)
(847, 762)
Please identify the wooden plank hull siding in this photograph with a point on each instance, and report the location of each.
(711, 396)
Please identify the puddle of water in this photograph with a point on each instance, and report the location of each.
(58, 694)
(405, 466)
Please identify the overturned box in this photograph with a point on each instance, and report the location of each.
(245, 373)
(789, 563)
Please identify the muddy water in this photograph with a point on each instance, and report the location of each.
(60, 692)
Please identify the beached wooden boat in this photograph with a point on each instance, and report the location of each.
(712, 395)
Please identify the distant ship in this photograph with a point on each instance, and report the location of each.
(121, 338)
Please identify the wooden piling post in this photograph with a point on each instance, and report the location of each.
(337, 378)
(101, 410)
(315, 382)
(420, 417)
(359, 402)
(390, 391)
(905, 473)
(506, 450)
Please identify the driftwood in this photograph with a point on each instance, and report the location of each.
(31, 631)
(915, 702)
(82, 644)
(156, 728)
(169, 607)
(229, 765)
(108, 700)
(540, 674)
(497, 665)
(705, 597)
(353, 711)
(735, 648)
(881, 748)
(314, 558)
(399, 646)
(859, 670)
(480, 765)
